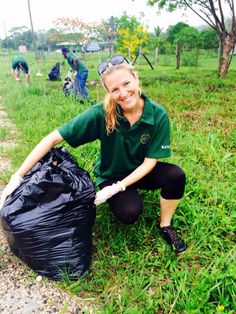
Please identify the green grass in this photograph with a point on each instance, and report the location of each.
(133, 270)
(4, 133)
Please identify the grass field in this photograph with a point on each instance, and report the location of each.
(133, 270)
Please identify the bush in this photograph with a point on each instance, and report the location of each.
(188, 59)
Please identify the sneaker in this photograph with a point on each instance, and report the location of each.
(169, 234)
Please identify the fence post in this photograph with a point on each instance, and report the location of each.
(139, 54)
(177, 54)
(156, 56)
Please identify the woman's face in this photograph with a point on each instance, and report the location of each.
(124, 88)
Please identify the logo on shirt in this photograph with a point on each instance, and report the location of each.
(144, 139)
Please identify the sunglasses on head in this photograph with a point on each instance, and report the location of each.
(116, 60)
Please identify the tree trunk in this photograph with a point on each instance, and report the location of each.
(220, 53)
(228, 46)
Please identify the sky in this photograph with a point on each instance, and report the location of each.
(15, 13)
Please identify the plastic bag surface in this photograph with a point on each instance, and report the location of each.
(48, 220)
(54, 73)
(72, 87)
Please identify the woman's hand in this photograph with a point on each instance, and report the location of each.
(36, 154)
(12, 185)
(108, 192)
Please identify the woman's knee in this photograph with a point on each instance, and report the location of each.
(129, 216)
(127, 206)
(175, 183)
(128, 212)
(179, 175)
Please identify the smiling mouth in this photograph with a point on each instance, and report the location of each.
(127, 98)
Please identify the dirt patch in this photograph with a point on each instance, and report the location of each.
(6, 143)
(21, 290)
(4, 165)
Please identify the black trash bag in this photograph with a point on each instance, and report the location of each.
(54, 73)
(48, 220)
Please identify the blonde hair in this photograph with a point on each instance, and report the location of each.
(111, 114)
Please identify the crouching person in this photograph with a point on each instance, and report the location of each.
(19, 63)
(134, 134)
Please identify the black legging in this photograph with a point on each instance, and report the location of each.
(128, 205)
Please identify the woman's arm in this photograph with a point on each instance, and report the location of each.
(39, 152)
(36, 154)
(140, 172)
(110, 190)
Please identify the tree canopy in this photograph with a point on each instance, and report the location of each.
(132, 35)
(212, 12)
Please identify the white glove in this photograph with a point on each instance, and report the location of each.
(75, 73)
(12, 185)
(108, 191)
(69, 74)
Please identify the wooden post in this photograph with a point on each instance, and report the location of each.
(139, 54)
(156, 56)
(146, 58)
(177, 54)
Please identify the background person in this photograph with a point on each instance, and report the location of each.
(134, 133)
(79, 69)
(19, 63)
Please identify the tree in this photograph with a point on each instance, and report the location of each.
(112, 33)
(155, 38)
(79, 31)
(208, 38)
(173, 31)
(132, 36)
(18, 36)
(45, 40)
(70, 27)
(212, 13)
(188, 37)
(157, 31)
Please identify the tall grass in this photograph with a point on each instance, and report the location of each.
(133, 270)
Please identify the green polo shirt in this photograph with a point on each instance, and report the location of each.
(124, 149)
(70, 57)
(16, 60)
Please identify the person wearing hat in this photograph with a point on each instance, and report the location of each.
(79, 69)
(19, 63)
